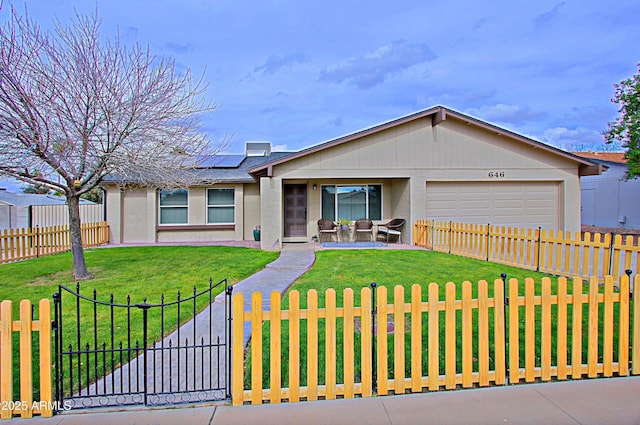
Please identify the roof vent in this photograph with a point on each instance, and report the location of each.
(258, 149)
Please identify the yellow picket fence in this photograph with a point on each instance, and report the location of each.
(444, 340)
(563, 253)
(23, 403)
(24, 244)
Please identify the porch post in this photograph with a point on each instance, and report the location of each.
(270, 213)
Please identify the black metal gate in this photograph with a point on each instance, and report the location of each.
(109, 353)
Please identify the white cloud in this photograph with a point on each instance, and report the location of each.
(373, 68)
(547, 17)
(563, 137)
(279, 148)
(501, 113)
(275, 63)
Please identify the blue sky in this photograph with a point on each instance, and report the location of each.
(297, 73)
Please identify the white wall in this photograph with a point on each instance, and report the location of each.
(610, 200)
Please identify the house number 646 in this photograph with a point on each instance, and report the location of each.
(496, 174)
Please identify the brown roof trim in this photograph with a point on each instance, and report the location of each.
(438, 114)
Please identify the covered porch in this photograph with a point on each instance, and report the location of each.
(291, 208)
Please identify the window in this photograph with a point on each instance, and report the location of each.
(220, 206)
(352, 202)
(174, 206)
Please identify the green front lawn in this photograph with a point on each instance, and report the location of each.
(358, 268)
(138, 272)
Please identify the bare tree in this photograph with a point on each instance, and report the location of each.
(75, 108)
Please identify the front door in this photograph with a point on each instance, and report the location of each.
(295, 210)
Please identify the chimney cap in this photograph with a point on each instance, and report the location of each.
(257, 149)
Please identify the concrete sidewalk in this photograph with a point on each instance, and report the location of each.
(595, 401)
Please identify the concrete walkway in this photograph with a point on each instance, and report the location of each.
(596, 401)
(293, 262)
(198, 368)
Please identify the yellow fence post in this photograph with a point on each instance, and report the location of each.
(499, 331)
(607, 350)
(312, 345)
(592, 347)
(348, 344)
(635, 355)
(366, 341)
(383, 377)
(275, 348)
(434, 326)
(398, 339)
(623, 327)
(416, 338)
(467, 335)
(546, 329)
(6, 358)
(294, 346)
(483, 333)
(330, 344)
(576, 328)
(26, 359)
(514, 331)
(450, 336)
(256, 348)
(529, 330)
(562, 329)
(237, 374)
(46, 386)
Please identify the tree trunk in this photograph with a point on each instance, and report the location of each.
(80, 271)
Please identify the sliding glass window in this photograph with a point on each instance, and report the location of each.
(352, 202)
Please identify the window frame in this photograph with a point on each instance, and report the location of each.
(367, 203)
(166, 207)
(208, 206)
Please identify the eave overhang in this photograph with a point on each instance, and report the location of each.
(438, 115)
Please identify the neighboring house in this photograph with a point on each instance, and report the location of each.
(436, 164)
(610, 200)
(22, 210)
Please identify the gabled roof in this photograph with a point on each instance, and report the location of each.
(438, 114)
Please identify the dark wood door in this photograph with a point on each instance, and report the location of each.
(295, 210)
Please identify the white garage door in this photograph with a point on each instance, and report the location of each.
(515, 204)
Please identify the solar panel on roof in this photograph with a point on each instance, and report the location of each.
(223, 161)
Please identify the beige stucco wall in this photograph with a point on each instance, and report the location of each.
(271, 208)
(251, 210)
(113, 200)
(404, 158)
(133, 216)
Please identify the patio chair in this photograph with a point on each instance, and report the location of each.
(363, 226)
(392, 228)
(327, 227)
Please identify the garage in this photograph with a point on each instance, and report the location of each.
(502, 203)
